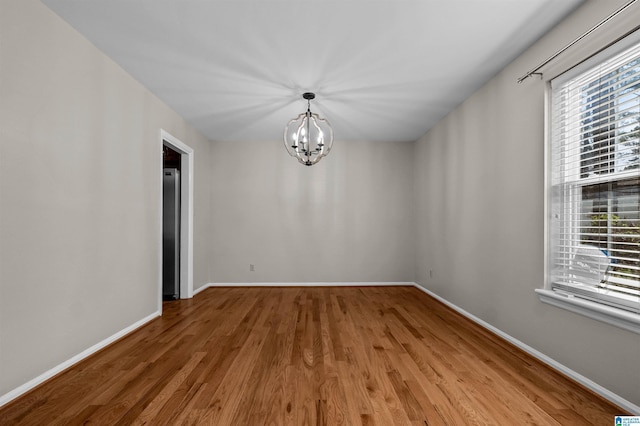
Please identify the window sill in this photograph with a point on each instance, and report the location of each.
(617, 317)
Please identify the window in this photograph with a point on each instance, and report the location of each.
(594, 166)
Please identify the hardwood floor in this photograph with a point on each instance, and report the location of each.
(310, 356)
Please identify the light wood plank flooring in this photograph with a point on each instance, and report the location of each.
(310, 356)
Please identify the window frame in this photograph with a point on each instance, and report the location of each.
(554, 294)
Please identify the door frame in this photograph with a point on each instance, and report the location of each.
(186, 214)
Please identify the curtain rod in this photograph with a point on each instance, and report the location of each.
(534, 71)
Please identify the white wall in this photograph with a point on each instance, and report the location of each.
(479, 182)
(79, 194)
(345, 219)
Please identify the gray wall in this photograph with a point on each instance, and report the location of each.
(345, 219)
(479, 182)
(80, 194)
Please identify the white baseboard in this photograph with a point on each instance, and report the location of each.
(589, 384)
(199, 289)
(306, 284)
(11, 395)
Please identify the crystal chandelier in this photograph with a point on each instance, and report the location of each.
(308, 137)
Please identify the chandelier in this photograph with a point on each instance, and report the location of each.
(308, 137)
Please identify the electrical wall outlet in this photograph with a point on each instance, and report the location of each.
(251, 267)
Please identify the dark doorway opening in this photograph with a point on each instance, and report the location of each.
(171, 224)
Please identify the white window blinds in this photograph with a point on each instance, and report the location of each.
(595, 179)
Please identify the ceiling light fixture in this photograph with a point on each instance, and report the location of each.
(308, 137)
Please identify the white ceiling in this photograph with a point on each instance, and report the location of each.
(383, 70)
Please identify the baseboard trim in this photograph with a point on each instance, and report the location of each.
(307, 284)
(584, 381)
(11, 395)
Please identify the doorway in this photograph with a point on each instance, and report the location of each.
(179, 157)
(171, 223)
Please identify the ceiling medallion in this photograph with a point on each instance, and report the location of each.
(308, 137)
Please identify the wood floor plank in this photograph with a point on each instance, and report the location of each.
(310, 356)
(148, 415)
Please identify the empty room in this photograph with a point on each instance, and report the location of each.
(307, 212)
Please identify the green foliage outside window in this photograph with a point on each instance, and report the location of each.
(620, 238)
